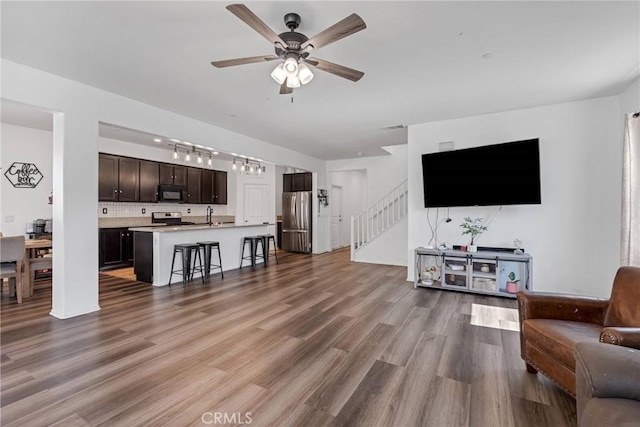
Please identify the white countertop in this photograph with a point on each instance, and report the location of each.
(174, 228)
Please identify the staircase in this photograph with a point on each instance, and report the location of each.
(378, 218)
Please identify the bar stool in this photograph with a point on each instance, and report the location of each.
(266, 239)
(207, 247)
(187, 251)
(253, 247)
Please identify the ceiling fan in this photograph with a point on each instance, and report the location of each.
(294, 48)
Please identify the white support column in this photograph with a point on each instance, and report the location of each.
(75, 216)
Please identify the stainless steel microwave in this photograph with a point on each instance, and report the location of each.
(171, 193)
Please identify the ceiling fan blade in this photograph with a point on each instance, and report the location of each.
(284, 89)
(349, 25)
(242, 61)
(338, 70)
(249, 18)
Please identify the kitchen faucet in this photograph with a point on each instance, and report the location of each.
(209, 215)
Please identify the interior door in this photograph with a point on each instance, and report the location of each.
(256, 203)
(336, 216)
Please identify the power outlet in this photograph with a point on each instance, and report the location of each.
(144, 211)
(104, 211)
(189, 210)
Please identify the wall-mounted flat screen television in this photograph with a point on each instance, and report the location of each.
(500, 174)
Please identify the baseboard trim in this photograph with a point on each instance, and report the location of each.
(63, 316)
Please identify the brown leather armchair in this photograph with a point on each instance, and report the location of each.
(551, 324)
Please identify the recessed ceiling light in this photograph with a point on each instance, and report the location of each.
(215, 153)
(487, 55)
(260, 160)
(157, 140)
(174, 140)
(186, 143)
(243, 156)
(234, 154)
(359, 154)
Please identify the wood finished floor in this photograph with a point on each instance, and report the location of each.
(313, 341)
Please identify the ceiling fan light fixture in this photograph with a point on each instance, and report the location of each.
(304, 74)
(291, 67)
(278, 74)
(293, 82)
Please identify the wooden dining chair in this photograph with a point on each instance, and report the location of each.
(12, 262)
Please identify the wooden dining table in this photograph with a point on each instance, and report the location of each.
(30, 248)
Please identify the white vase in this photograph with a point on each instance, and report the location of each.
(472, 248)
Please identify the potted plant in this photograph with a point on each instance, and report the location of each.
(512, 284)
(474, 228)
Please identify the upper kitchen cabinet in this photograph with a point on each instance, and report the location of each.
(107, 178)
(220, 187)
(118, 179)
(194, 176)
(149, 180)
(128, 180)
(173, 175)
(206, 193)
(214, 187)
(292, 182)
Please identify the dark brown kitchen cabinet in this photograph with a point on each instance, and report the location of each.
(214, 187)
(149, 180)
(193, 185)
(118, 179)
(220, 187)
(292, 182)
(116, 248)
(107, 178)
(128, 180)
(206, 190)
(173, 175)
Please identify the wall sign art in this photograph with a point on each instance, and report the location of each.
(23, 175)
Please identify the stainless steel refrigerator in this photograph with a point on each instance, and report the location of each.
(296, 222)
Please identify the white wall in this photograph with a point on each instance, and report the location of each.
(354, 198)
(574, 235)
(630, 98)
(23, 205)
(279, 189)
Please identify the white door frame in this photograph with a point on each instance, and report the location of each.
(340, 226)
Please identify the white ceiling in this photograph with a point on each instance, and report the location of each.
(423, 61)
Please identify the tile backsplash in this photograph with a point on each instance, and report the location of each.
(134, 210)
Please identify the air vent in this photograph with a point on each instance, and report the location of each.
(394, 127)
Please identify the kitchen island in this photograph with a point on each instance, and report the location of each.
(153, 247)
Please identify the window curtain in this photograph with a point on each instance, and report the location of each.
(631, 192)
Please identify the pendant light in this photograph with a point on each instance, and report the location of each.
(209, 162)
(199, 158)
(175, 154)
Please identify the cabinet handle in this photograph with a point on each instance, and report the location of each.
(115, 191)
(120, 191)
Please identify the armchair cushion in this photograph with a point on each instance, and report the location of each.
(558, 337)
(624, 307)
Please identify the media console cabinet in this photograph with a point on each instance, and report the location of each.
(483, 272)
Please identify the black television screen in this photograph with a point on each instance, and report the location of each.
(500, 174)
